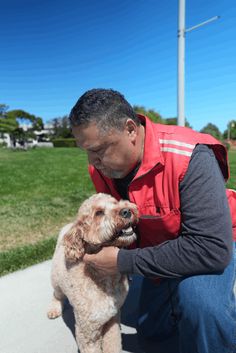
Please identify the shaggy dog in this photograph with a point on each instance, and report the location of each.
(95, 297)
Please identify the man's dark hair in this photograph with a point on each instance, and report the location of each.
(106, 107)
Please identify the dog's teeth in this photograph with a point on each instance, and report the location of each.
(128, 231)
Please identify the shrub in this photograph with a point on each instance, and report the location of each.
(227, 145)
(3, 144)
(60, 142)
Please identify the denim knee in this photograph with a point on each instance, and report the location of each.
(210, 295)
(195, 303)
(206, 314)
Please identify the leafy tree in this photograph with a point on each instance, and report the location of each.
(151, 113)
(3, 109)
(230, 133)
(21, 116)
(61, 127)
(10, 123)
(174, 121)
(7, 125)
(156, 117)
(212, 130)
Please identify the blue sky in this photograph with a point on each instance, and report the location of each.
(53, 51)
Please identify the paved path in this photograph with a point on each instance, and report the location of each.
(24, 326)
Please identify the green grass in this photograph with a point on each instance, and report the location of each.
(26, 255)
(232, 161)
(40, 191)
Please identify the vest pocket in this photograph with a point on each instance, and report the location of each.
(154, 230)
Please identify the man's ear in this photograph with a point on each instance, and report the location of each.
(74, 244)
(131, 128)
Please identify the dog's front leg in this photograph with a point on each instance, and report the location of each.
(88, 340)
(111, 341)
(56, 305)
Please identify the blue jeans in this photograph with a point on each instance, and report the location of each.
(199, 311)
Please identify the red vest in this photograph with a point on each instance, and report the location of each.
(155, 187)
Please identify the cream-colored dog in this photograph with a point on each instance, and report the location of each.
(95, 297)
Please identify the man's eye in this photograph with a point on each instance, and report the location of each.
(99, 151)
(99, 213)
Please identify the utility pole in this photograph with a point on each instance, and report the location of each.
(181, 63)
(231, 124)
(181, 60)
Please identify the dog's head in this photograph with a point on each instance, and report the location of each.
(101, 221)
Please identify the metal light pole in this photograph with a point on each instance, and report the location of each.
(181, 59)
(230, 124)
(181, 63)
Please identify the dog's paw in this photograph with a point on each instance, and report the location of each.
(55, 310)
(53, 313)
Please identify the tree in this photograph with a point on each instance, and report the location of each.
(10, 123)
(230, 133)
(61, 127)
(3, 109)
(174, 121)
(7, 124)
(20, 134)
(151, 113)
(156, 117)
(22, 115)
(212, 130)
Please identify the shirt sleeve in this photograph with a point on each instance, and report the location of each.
(205, 243)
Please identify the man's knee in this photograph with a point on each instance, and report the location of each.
(196, 302)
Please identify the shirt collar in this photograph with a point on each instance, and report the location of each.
(151, 153)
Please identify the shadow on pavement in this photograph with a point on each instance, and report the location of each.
(128, 317)
(130, 341)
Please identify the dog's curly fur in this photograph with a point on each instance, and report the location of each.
(96, 298)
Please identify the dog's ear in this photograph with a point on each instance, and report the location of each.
(74, 244)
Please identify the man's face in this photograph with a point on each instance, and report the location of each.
(115, 153)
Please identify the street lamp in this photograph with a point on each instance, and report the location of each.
(230, 125)
(181, 58)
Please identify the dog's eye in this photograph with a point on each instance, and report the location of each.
(99, 213)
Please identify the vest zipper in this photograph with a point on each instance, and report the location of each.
(128, 191)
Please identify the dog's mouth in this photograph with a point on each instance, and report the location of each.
(125, 232)
(123, 237)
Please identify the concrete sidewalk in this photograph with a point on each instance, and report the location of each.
(24, 326)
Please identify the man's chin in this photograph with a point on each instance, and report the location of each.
(112, 174)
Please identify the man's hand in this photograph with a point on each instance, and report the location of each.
(105, 260)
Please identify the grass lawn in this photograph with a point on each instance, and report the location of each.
(40, 191)
(232, 162)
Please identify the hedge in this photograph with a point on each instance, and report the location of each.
(60, 142)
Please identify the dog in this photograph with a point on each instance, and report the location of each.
(95, 297)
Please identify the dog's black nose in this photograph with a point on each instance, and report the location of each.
(125, 213)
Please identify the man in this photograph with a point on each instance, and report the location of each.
(184, 249)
